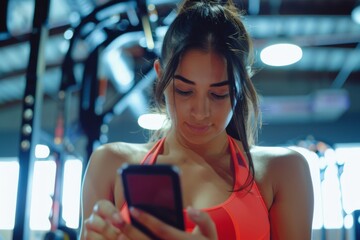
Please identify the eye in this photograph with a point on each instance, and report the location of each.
(183, 93)
(219, 96)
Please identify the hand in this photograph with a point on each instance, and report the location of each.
(103, 223)
(205, 228)
(106, 223)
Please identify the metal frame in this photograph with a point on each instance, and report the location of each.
(31, 114)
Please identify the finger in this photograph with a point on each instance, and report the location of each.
(90, 235)
(204, 223)
(97, 236)
(105, 209)
(123, 237)
(157, 227)
(108, 211)
(97, 225)
(131, 232)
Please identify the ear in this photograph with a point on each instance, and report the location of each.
(157, 67)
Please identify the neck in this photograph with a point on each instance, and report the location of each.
(216, 147)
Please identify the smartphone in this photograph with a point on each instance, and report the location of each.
(154, 189)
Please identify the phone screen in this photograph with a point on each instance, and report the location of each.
(156, 190)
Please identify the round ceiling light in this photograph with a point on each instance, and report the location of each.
(152, 121)
(355, 14)
(281, 54)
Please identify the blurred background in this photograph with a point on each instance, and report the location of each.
(75, 74)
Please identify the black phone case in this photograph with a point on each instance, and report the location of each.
(174, 216)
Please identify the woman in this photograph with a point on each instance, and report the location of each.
(234, 189)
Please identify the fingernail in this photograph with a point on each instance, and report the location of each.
(134, 212)
(117, 218)
(96, 207)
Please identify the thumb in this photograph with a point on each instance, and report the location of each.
(204, 223)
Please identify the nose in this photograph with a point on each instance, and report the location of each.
(201, 109)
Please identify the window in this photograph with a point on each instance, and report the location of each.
(42, 192)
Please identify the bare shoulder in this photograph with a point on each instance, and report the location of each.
(118, 153)
(278, 170)
(283, 177)
(274, 160)
(101, 171)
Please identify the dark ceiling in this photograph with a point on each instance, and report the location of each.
(322, 87)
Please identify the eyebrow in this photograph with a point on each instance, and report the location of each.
(185, 80)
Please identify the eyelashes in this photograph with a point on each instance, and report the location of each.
(220, 97)
(183, 93)
(213, 95)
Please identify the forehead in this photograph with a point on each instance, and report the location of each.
(198, 64)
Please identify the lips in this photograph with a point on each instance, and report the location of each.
(197, 128)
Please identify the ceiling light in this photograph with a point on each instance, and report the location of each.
(152, 121)
(355, 14)
(281, 54)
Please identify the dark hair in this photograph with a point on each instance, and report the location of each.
(216, 26)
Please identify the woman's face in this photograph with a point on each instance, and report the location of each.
(198, 99)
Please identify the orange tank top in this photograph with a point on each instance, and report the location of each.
(243, 216)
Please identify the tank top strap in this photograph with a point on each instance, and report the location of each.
(239, 161)
(150, 157)
(236, 153)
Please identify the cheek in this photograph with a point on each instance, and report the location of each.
(225, 113)
(173, 109)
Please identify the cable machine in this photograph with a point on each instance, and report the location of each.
(93, 115)
(133, 18)
(31, 113)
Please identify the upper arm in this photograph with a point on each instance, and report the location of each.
(96, 184)
(99, 178)
(292, 210)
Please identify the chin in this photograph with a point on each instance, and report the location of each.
(197, 138)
